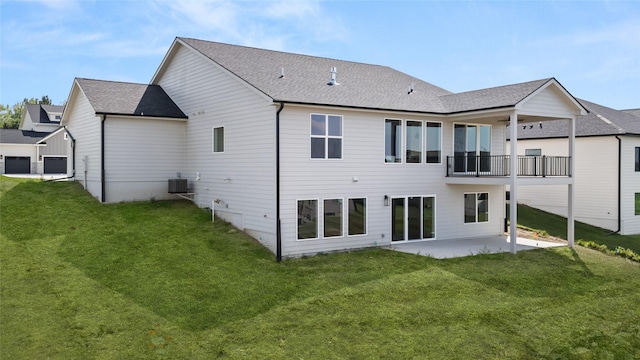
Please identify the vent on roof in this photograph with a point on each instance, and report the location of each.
(333, 81)
(281, 73)
(411, 88)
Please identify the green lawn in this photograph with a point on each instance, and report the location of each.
(82, 280)
(557, 226)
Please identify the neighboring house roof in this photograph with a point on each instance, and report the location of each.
(120, 98)
(307, 80)
(39, 113)
(17, 136)
(601, 121)
(635, 112)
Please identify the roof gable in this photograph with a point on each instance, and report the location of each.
(120, 98)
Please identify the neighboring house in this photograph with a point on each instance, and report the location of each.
(38, 146)
(41, 118)
(607, 174)
(310, 154)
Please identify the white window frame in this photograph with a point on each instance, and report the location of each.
(538, 152)
(319, 226)
(426, 144)
(406, 218)
(384, 141)
(213, 140)
(342, 222)
(406, 142)
(477, 151)
(476, 207)
(326, 136)
(366, 216)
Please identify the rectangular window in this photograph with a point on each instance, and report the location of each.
(476, 207)
(414, 142)
(218, 139)
(332, 217)
(637, 203)
(533, 152)
(307, 219)
(357, 216)
(434, 142)
(392, 141)
(638, 159)
(326, 136)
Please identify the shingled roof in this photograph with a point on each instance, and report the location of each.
(121, 98)
(17, 136)
(307, 80)
(39, 113)
(600, 121)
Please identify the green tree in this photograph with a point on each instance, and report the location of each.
(10, 116)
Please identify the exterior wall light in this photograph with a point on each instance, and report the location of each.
(386, 200)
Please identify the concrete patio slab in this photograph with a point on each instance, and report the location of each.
(444, 249)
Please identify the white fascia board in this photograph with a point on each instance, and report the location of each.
(51, 134)
(558, 86)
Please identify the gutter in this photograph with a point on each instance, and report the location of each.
(278, 227)
(619, 186)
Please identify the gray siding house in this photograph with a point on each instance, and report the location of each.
(38, 146)
(310, 154)
(607, 174)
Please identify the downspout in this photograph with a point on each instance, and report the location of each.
(102, 195)
(278, 228)
(619, 186)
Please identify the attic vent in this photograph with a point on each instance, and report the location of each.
(411, 88)
(333, 81)
(281, 73)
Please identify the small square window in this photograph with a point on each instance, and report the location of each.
(533, 152)
(218, 139)
(326, 136)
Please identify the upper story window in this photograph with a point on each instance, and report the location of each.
(434, 142)
(422, 141)
(638, 159)
(392, 141)
(326, 136)
(218, 139)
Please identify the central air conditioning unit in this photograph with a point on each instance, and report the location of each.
(178, 186)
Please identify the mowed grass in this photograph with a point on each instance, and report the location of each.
(152, 280)
(557, 226)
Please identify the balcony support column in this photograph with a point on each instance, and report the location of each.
(513, 177)
(571, 188)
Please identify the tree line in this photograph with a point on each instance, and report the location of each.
(10, 116)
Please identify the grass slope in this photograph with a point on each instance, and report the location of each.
(557, 226)
(159, 280)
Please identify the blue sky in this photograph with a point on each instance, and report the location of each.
(591, 47)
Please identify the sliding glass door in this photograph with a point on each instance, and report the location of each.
(412, 218)
(472, 148)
